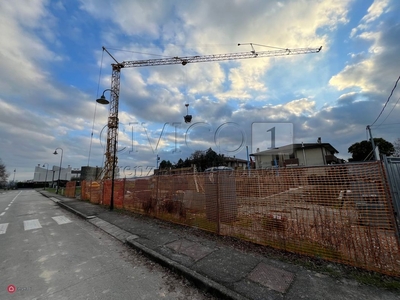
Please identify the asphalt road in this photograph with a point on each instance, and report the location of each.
(49, 253)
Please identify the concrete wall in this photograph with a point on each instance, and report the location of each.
(313, 157)
(90, 173)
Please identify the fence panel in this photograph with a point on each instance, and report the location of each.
(84, 194)
(91, 191)
(70, 189)
(119, 189)
(340, 213)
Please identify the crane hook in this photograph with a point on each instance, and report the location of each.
(187, 118)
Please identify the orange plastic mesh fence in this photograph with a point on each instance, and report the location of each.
(70, 189)
(92, 191)
(340, 213)
(119, 188)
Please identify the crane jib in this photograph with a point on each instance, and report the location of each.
(216, 57)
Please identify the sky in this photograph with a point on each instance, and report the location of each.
(53, 68)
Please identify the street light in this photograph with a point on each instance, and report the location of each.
(59, 171)
(47, 170)
(102, 100)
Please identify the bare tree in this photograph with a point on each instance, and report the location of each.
(3, 173)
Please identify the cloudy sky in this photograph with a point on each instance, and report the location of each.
(52, 68)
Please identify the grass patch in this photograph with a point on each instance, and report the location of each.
(377, 280)
(202, 222)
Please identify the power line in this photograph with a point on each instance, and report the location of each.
(390, 112)
(387, 101)
(385, 125)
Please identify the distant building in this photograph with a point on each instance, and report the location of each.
(304, 154)
(76, 174)
(50, 175)
(236, 163)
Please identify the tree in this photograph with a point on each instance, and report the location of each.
(3, 173)
(397, 148)
(202, 160)
(180, 163)
(213, 159)
(165, 164)
(198, 158)
(363, 150)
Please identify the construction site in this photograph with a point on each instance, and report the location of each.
(343, 213)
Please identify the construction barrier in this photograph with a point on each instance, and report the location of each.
(341, 213)
(70, 189)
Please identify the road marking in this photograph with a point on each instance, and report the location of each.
(6, 208)
(32, 224)
(3, 228)
(16, 196)
(61, 220)
(2, 214)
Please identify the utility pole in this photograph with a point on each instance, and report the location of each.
(372, 142)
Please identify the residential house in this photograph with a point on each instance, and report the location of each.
(304, 154)
(235, 163)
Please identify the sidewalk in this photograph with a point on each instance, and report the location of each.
(218, 265)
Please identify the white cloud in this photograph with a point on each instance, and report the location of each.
(376, 9)
(299, 107)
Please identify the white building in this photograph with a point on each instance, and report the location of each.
(304, 154)
(43, 174)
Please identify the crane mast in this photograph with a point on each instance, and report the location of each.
(111, 160)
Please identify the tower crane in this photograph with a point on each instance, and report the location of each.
(112, 132)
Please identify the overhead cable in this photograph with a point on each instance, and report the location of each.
(387, 101)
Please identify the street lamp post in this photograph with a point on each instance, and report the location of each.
(59, 170)
(52, 178)
(47, 170)
(104, 101)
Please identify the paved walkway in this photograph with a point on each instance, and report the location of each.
(220, 267)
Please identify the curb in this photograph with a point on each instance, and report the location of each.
(199, 280)
(69, 208)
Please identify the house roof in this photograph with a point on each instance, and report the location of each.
(289, 149)
(234, 159)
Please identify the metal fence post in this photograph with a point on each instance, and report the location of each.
(393, 179)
